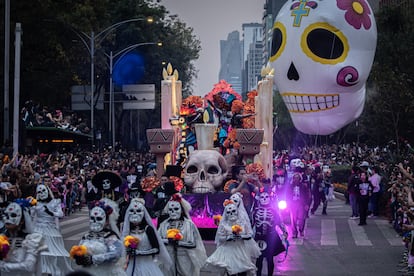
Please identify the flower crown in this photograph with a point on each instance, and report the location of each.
(176, 197)
(108, 209)
(140, 200)
(227, 202)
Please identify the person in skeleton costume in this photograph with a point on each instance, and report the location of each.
(232, 253)
(150, 251)
(46, 213)
(298, 198)
(104, 247)
(25, 246)
(107, 182)
(266, 219)
(187, 252)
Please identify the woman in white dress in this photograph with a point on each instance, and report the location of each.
(232, 254)
(25, 247)
(55, 261)
(150, 252)
(105, 252)
(188, 253)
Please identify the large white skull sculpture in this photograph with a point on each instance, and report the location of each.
(174, 210)
(97, 219)
(205, 171)
(136, 211)
(12, 214)
(322, 53)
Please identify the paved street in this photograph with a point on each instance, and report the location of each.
(333, 245)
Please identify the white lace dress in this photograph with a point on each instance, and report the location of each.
(107, 254)
(55, 260)
(143, 265)
(234, 256)
(22, 259)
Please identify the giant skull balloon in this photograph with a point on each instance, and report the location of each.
(205, 171)
(322, 53)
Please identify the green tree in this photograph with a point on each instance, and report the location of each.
(388, 113)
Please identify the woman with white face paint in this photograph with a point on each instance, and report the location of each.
(233, 254)
(104, 248)
(22, 258)
(151, 251)
(188, 253)
(47, 211)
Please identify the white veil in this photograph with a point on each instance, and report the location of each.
(163, 257)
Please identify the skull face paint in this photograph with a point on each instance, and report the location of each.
(264, 199)
(106, 184)
(97, 219)
(322, 53)
(174, 210)
(232, 213)
(42, 192)
(12, 214)
(136, 212)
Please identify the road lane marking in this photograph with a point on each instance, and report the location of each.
(328, 232)
(359, 234)
(389, 233)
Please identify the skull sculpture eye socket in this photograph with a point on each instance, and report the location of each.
(278, 41)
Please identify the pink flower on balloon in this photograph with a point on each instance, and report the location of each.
(357, 12)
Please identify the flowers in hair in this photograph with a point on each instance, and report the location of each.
(78, 250)
(217, 219)
(236, 229)
(4, 246)
(174, 234)
(131, 242)
(227, 202)
(176, 197)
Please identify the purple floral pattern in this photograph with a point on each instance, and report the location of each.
(357, 13)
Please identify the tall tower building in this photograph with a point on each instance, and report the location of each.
(231, 61)
(252, 54)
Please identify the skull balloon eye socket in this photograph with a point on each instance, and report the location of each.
(278, 41)
(213, 170)
(192, 169)
(324, 43)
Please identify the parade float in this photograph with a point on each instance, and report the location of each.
(204, 138)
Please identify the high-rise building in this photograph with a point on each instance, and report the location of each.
(252, 54)
(231, 61)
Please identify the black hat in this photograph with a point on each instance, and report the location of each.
(98, 179)
(173, 170)
(169, 188)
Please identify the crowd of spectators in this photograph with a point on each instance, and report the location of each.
(36, 115)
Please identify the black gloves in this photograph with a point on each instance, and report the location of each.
(83, 260)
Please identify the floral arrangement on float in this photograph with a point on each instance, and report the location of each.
(151, 183)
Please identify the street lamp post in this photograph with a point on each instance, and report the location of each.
(111, 57)
(96, 40)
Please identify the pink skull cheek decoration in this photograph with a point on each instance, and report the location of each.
(322, 53)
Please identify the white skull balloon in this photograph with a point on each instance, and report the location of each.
(322, 53)
(12, 214)
(97, 219)
(174, 210)
(205, 171)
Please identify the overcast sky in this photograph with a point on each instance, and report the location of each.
(212, 21)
